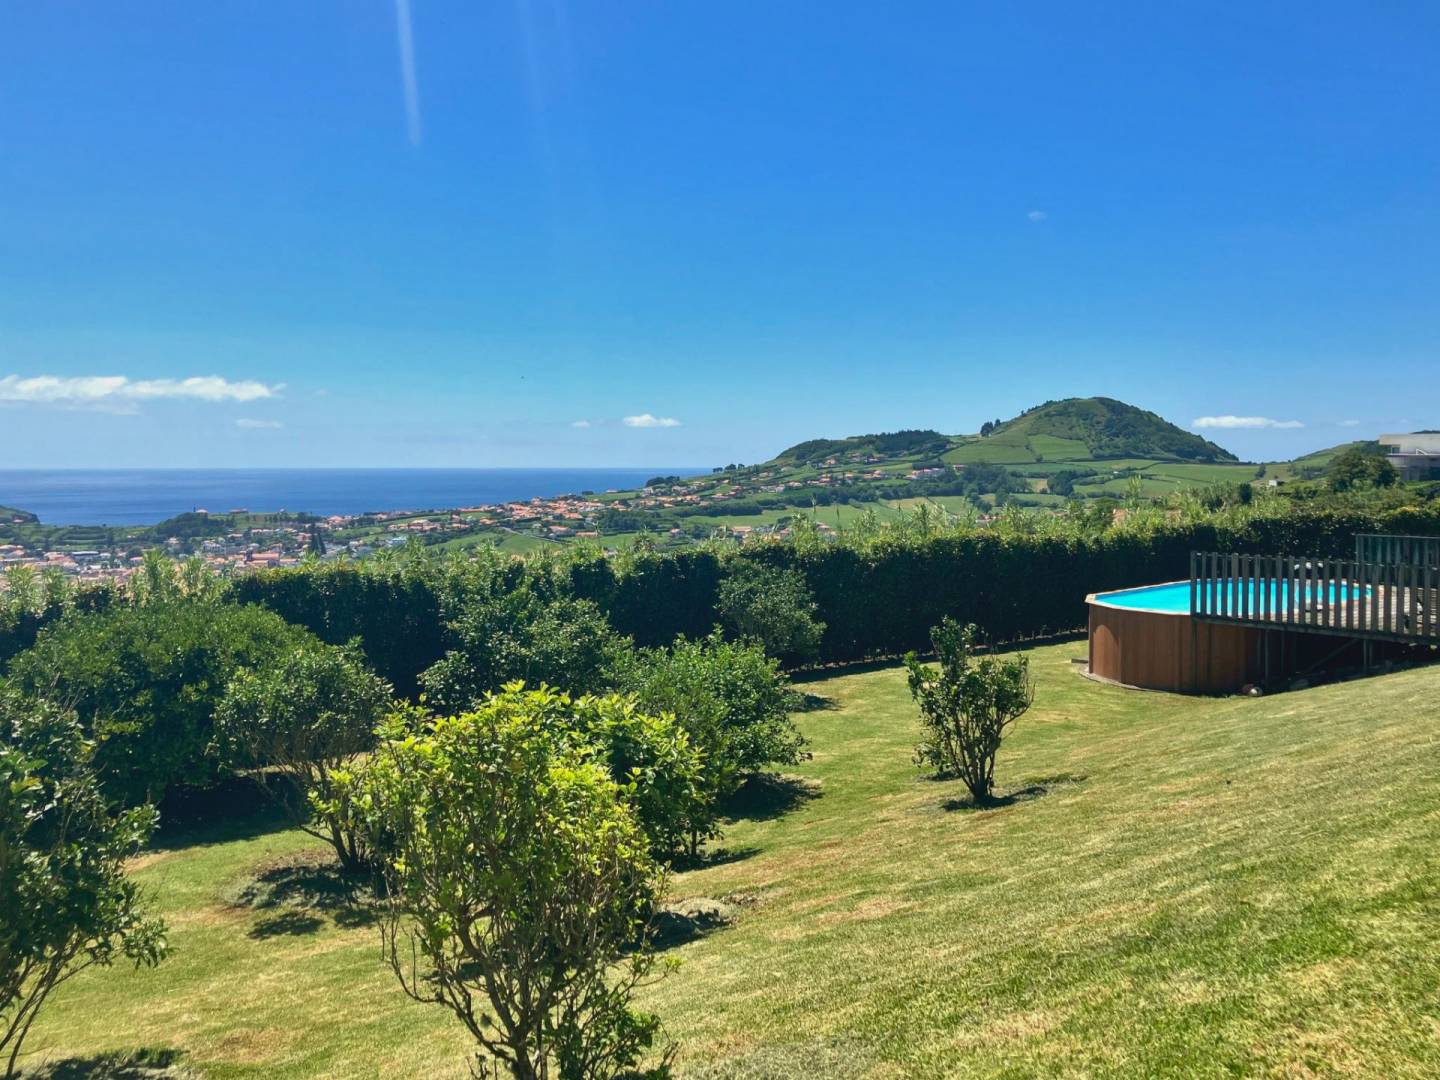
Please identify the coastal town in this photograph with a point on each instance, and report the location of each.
(670, 510)
(257, 542)
(829, 482)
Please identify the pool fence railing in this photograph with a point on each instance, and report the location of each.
(1393, 597)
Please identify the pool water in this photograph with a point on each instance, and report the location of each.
(1174, 597)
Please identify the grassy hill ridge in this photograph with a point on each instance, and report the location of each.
(1112, 429)
(1085, 447)
(1071, 429)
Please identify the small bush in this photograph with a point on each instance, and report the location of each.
(520, 887)
(732, 701)
(522, 636)
(966, 706)
(297, 721)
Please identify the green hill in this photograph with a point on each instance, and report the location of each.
(1077, 446)
(1089, 429)
(1072, 430)
(11, 516)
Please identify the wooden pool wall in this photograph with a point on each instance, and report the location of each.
(1162, 650)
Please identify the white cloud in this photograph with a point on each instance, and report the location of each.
(256, 425)
(1037, 216)
(119, 392)
(646, 420)
(1349, 423)
(581, 423)
(1253, 422)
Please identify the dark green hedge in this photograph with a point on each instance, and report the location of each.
(877, 599)
(396, 615)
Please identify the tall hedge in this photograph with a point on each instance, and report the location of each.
(397, 616)
(878, 597)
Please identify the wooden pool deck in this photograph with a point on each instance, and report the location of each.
(1389, 601)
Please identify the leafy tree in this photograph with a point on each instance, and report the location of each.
(145, 682)
(772, 606)
(519, 635)
(65, 902)
(1357, 468)
(732, 701)
(296, 722)
(1062, 482)
(966, 705)
(520, 888)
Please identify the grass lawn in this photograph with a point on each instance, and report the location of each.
(1188, 887)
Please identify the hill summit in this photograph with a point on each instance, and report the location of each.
(1110, 429)
(1074, 429)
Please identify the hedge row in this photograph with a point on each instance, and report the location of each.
(877, 599)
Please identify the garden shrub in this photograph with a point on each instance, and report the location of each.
(520, 885)
(966, 705)
(298, 720)
(66, 903)
(145, 683)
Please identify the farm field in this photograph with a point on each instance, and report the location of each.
(1188, 474)
(837, 515)
(1181, 887)
(1119, 487)
(1163, 478)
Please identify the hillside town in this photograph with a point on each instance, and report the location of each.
(269, 541)
(284, 542)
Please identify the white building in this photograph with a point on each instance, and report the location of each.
(1416, 456)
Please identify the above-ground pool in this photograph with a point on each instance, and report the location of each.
(1145, 637)
(1249, 594)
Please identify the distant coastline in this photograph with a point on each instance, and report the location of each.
(148, 496)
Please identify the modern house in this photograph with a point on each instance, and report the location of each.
(1415, 457)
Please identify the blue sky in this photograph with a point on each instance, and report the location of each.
(230, 234)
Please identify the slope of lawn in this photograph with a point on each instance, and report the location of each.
(1186, 887)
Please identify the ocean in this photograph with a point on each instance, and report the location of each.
(145, 496)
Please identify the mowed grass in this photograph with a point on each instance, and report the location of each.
(1188, 887)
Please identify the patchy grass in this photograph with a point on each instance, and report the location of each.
(1179, 887)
